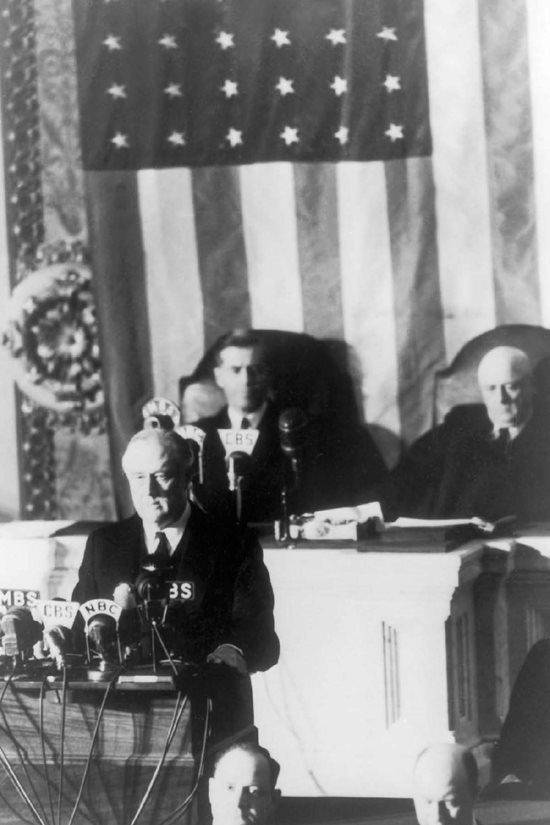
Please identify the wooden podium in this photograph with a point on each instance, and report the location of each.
(386, 646)
(132, 733)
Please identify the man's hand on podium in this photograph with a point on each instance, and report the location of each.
(229, 655)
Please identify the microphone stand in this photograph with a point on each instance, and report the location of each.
(286, 495)
(284, 533)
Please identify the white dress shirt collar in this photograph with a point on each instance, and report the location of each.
(513, 432)
(254, 418)
(173, 532)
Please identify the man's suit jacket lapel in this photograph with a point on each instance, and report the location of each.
(194, 554)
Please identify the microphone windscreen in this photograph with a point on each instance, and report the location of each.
(124, 596)
(20, 630)
(102, 632)
(293, 430)
(239, 461)
(58, 641)
(149, 583)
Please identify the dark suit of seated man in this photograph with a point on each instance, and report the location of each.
(490, 460)
(521, 758)
(229, 620)
(326, 474)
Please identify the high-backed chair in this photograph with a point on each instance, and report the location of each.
(457, 384)
(304, 371)
(312, 375)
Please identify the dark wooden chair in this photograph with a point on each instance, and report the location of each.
(457, 384)
(305, 374)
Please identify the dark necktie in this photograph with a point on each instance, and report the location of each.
(245, 424)
(503, 437)
(162, 550)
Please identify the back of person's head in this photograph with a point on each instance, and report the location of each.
(242, 786)
(445, 785)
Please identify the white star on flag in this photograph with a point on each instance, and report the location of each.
(116, 90)
(112, 42)
(339, 85)
(280, 38)
(284, 86)
(225, 40)
(394, 132)
(342, 135)
(234, 136)
(120, 140)
(168, 41)
(289, 135)
(392, 83)
(176, 139)
(173, 90)
(230, 88)
(387, 34)
(337, 36)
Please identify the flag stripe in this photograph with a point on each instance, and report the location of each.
(367, 293)
(420, 336)
(460, 170)
(221, 251)
(538, 33)
(174, 298)
(508, 124)
(318, 249)
(269, 215)
(119, 278)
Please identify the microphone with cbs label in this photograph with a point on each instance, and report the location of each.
(153, 615)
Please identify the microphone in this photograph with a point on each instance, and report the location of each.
(20, 631)
(237, 466)
(101, 631)
(294, 437)
(101, 617)
(58, 643)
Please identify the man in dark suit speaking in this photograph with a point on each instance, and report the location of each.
(229, 619)
(490, 460)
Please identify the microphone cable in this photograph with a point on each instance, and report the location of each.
(183, 806)
(43, 741)
(62, 745)
(156, 631)
(43, 746)
(178, 710)
(19, 787)
(21, 752)
(95, 733)
(11, 773)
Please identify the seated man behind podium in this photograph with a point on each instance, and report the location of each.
(326, 477)
(230, 618)
(490, 460)
(445, 785)
(242, 373)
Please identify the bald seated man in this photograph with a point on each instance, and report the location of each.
(445, 785)
(490, 460)
(242, 787)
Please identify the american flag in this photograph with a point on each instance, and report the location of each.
(404, 249)
(206, 82)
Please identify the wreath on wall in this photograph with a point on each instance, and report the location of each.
(52, 335)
